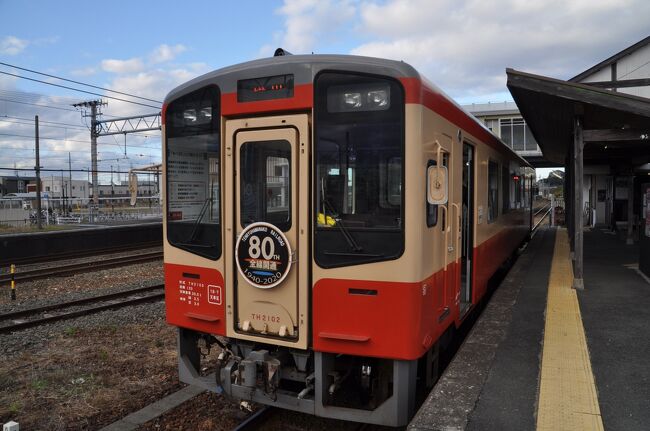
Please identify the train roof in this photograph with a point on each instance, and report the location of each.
(306, 67)
(303, 67)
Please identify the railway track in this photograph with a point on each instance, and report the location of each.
(256, 419)
(260, 417)
(72, 268)
(546, 208)
(22, 319)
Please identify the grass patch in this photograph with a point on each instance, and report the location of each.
(38, 384)
(15, 407)
(71, 331)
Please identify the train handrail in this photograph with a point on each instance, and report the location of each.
(458, 223)
(445, 234)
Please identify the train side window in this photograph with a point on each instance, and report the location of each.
(516, 179)
(505, 181)
(432, 210)
(493, 191)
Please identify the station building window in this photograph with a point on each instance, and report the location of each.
(517, 135)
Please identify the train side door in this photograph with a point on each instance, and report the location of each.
(267, 186)
(467, 229)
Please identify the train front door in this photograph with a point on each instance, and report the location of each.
(467, 228)
(266, 189)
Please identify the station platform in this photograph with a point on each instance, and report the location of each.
(543, 356)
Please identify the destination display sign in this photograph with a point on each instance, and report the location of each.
(266, 88)
(263, 255)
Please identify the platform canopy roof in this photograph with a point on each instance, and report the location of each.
(616, 125)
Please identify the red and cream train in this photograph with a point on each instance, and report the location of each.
(328, 220)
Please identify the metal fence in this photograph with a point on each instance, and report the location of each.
(14, 215)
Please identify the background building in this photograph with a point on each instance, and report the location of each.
(505, 121)
(626, 72)
(15, 184)
(60, 187)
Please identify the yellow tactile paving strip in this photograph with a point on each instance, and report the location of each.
(567, 393)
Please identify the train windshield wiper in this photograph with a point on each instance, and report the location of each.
(354, 245)
(195, 227)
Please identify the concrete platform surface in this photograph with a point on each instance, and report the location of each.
(493, 381)
(615, 306)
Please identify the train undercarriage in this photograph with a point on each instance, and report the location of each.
(362, 389)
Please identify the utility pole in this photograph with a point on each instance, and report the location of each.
(70, 174)
(94, 131)
(38, 176)
(138, 123)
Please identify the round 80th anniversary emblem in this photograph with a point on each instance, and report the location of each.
(263, 255)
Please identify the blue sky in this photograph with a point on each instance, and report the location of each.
(147, 48)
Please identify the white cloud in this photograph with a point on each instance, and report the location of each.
(307, 22)
(8, 82)
(85, 71)
(11, 45)
(465, 46)
(152, 84)
(123, 66)
(164, 52)
(142, 76)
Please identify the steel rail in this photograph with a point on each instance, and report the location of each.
(106, 302)
(542, 209)
(541, 219)
(256, 420)
(73, 268)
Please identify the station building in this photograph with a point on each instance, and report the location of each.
(504, 120)
(597, 125)
(607, 185)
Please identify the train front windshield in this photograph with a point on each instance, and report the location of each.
(359, 169)
(193, 181)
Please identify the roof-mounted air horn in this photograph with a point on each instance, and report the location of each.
(280, 52)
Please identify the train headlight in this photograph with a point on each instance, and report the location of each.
(189, 116)
(195, 117)
(351, 98)
(378, 98)
(205, 114)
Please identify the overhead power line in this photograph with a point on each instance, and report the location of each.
(7, 119)
(30, 96)
(15, 135)
(39, 105)
(80, 83)
(78, 89)
(63, 169)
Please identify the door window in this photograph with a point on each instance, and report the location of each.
(265, 187)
